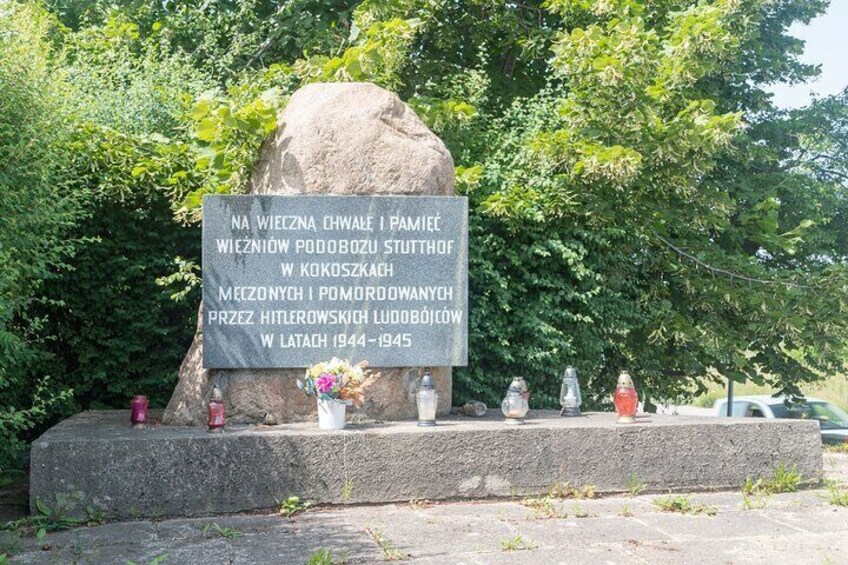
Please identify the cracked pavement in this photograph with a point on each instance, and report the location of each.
(801, 527)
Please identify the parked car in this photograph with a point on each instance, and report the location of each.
(833, 421)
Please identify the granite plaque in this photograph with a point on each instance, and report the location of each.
(289, 281)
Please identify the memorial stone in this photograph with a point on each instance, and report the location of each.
(332, 139)
(289, 281)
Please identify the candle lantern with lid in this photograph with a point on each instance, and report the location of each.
(625, 399)
(569, 393)
(427, 400)
(516, 403)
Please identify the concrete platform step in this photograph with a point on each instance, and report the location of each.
(95, 459)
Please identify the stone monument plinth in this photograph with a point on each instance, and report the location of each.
(166, 471)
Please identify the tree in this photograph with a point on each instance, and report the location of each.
(637, 197)
(704, 190)
(36, 211)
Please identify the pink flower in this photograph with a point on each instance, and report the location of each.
(325, 383)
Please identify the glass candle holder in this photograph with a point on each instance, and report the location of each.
(138, 414)
(216, 411)
(516, 403)
(625, 399)
(427, 399)
(569, 393)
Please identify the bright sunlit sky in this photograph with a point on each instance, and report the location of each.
(827, 45)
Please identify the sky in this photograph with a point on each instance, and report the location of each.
(827, 45)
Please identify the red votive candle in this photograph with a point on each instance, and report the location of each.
(138, 416)
(625, 399)
(216, 416)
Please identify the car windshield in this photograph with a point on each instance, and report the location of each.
(830, 417)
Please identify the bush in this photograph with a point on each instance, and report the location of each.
(86, 220)
(116, 332)
(37, 209)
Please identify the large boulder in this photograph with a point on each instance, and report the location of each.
(335, 138)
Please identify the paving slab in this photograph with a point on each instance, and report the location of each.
(194, 528)
(277, 548)
(425, 538)
(798, 549)
(563, 555)
(800, 499)
(798, 528)
(138, 532)
(333, 530)
(555, 532)
(206, 551)
(489, 511)
(722, 526)
(46, 557)
(823, 519)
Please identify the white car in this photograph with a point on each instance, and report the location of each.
(833, 421)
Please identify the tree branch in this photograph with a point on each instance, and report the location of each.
(718, 271)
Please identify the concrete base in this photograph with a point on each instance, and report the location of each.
(97, 460)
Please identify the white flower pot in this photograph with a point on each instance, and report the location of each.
(331, 414)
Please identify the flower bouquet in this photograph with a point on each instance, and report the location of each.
(336, 385)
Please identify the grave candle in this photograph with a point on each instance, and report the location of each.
(138, 416)
(427, 399)
(216, 411)
(569, 395)
(625, 399)
(516, 403)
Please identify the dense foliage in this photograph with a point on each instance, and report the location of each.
(638, 202)
(36, 211)
(83, 242)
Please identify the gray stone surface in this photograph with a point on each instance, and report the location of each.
(391, 288)
(171, 471)
(798, 528)
(340, 138)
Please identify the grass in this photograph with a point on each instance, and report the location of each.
(783, 479)
(682, 505)
(53, 515)
(387, 548)
(754, 502)
(565, 490)
(751, 486)
(159, 560)
(838, 495)
(216, 530)
(579, 512)
(326, 557)
(292, 506)
(833, 389)
(517, 544)
(544, 508)
(347, 489)
(634, 485)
